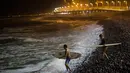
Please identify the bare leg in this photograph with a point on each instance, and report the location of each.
(67, 67)
(104, 52)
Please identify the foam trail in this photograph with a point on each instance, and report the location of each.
(86, 38)
(89, 36)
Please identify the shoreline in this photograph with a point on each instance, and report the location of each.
(115, 31)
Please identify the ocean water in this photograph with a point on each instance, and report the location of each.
(31, 52)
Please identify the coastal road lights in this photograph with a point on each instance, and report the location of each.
(73, 2)
(76, 5)
(125, 2)
(119, 2)
(96, 4)
(113, 3)
(91, 4)
(107, 3)
(81, 7)
(101, 3)
(86, 5)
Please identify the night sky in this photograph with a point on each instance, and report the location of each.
(15, 7)
(9, 7)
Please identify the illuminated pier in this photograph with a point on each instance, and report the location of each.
(76, 5)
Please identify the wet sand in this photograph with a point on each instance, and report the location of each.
(116, 29)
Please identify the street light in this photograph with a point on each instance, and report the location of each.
(113, 2)
(91, 4)
(74, 3)
(125, 3)
(86, 5)
(96, 4)
(101, 3)
(107, 3)
(119, 3)
(81, 5)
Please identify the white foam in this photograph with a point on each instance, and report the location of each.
(31, 40)
(86, 38)
(80, 41)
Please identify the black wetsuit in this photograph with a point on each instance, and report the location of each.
(102, 42)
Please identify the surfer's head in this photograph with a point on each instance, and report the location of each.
(101, 36)
(65, 46)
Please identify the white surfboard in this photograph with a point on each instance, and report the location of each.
(113, 44)
(61, 55)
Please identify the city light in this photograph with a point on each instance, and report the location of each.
(91, 4)
(96, 4)
(119, 3)
(125, 2)
(86, 5)
(113, 3)
(107, 5)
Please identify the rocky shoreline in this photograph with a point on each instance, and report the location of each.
(116, 30)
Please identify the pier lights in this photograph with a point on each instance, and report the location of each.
(119, 2)
(107, 3)
(91, 4)
(101, 3)
(76, 5)
(96, 4)
(86, 5)
(113, 3)
(68, 6)
(56, 10)
(81, 5)
(125, 2)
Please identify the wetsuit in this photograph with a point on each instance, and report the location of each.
(102, 41)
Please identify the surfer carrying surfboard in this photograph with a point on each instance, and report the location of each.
(103, 43)
(68, 57)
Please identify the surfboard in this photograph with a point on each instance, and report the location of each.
(61, 55)
(113, 44)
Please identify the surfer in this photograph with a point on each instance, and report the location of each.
(103, 43)
(67, 54)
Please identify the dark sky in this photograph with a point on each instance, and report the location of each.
(12, 7)
(8, 7)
